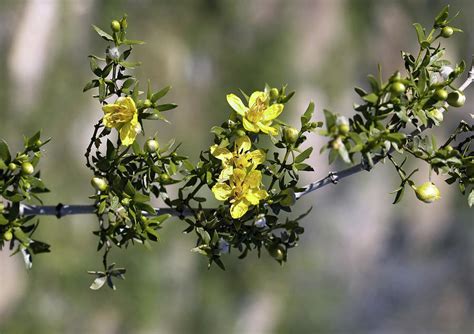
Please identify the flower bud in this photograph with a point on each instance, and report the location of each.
(126, 201)
(11, 167)
(441, 94)
(151, 146)
(278, 252)
(8, 235)
(274, 93)
(99, 183)
(27, 168)
(337, 143)
(397, 88)
(342, 124)
(147, 103)
(115, 25)
(164, 177)
(427, 192)
(456, 99)
(290, 134)
(447, 32)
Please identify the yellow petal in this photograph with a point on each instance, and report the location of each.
(129, 104)
(110, 108)
(222, 153)
(243, 144)
(226, 173)
(238, 176)
(221, 191)
(238, 209)
(255, 95)
(249, 126)
(267, 129)
(236, 103)
(272, 112)
(109, 121)
(258, 157)
(253, 178)
(254, 196)
(128, 133)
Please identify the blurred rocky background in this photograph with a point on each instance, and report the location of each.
(363, 265)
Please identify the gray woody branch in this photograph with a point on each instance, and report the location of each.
(62, 210)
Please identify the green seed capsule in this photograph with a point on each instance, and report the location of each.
(397, 88)
(427, 192)
(447, 32)
(115, 25)
(290, 134)
(456, 99)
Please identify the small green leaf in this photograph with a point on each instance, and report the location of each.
(304, 155)
(420, 32)
(165, 107)
(158, 95)
(103, 34)
(91, 84)
(306, 118)
(4, 151)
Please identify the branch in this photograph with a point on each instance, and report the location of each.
(62, 210)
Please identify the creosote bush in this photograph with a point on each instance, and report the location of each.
(254, 164)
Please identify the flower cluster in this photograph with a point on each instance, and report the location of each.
(239, 181)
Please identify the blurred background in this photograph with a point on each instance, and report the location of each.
(363, 265)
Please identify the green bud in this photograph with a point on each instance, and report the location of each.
(397, 88)
(456, 99)
(274, 93)
(278, 252)
(11, 166)
(147, 103)
(27, 168)
(447, 32)
(337, 143)
(151, 145)
(99, 183)
(164, 177)
(427, 192)
(240, 133)
(441, 94)
(115, 25)
(8, 235)
(290, 134)
(342, 124)
(125, 201)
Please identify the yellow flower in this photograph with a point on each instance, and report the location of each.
(243, 190)
(258, 116)
(123, 116)
(240, 158)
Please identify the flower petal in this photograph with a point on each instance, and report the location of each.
(221, 191)
(258, 157)
(253, 178)
(249, 126)
(243, 144)
(238, 176)
(226, 173)
(236, 103)
(255, 95)
(221, 153)
(254, 196)
(238, 209)
(272, 112)
(128, 133)
(266, 128)
(110, 108)
(128, 103)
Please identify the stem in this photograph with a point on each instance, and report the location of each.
(97, 126)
